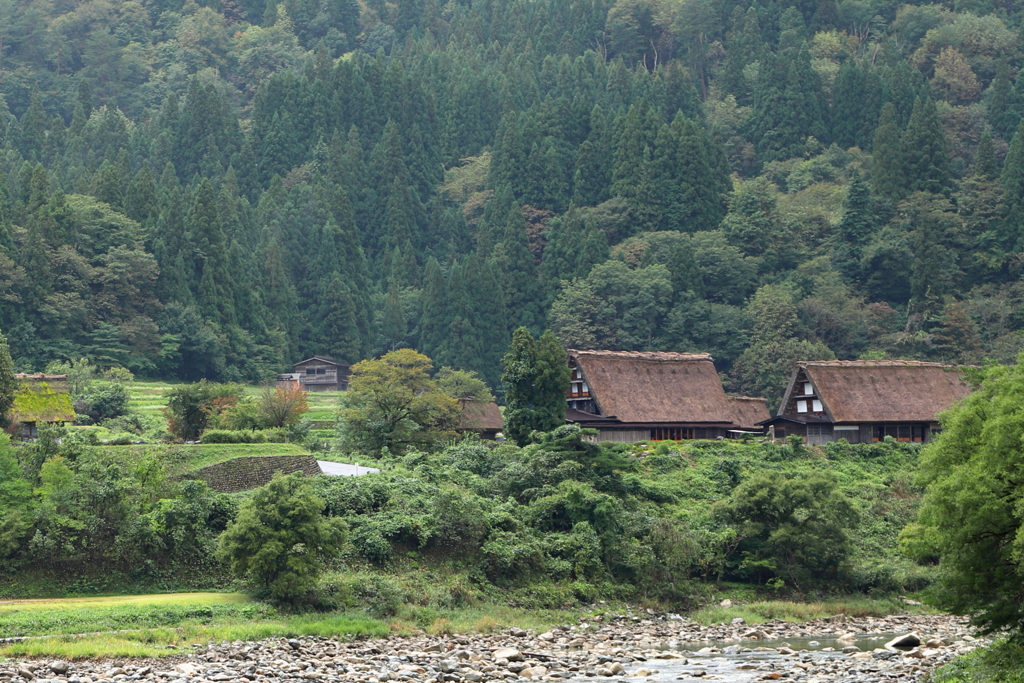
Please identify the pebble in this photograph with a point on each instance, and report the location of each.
(608, 646)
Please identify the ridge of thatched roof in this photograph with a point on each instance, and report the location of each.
(748, 411)
(479, 416)
(885, 391)
(655, 386)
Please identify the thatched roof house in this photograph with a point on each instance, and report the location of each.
(40, 398)
(865, 401)
(636, 396)
(482, 418)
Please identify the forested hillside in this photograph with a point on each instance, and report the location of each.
(217, 191)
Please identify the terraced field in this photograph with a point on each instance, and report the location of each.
(147, 398)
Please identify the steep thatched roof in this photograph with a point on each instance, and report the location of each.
(885, 391)
(481, 417)
(653, 387)
(749, 411)
(42, 398)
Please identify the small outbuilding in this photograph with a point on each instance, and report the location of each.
(39, 399)
(631, 396)
(483, 418)
(865, 401)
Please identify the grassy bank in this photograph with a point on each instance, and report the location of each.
(179, 458)
(1002, 662)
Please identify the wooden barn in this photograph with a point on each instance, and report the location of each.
(319, 373)
(633, 396)
(483, 418)
(865, 401)
(39, 399)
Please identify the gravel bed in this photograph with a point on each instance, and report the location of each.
(641, 646)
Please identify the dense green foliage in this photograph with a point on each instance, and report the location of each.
(559, 520)
(393, 404)
(971, 518)
(8, 385)
(279, 539)
(190, 407)
(535, 379)
(214, 191)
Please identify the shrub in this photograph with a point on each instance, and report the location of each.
(191, 407)
(233, 436)
(279, 538)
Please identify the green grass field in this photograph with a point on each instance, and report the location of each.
(158, 625)
(195, 599)
(180, 458)
(147, 398)
(323, 405)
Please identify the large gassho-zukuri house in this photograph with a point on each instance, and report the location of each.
(865, 401)
(630, 396)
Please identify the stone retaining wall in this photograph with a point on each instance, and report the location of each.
(249, 472)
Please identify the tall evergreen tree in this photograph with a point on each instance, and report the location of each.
(887, 164)
(1012, 180)
(854, 230)
(8, 385)
(926, 157)
(394, 326)
(848, 95)
(985, 164)
(1003, 116)
(517, 270)
(535, 377)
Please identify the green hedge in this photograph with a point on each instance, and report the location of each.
(244, 436)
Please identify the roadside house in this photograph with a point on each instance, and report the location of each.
(865, 401)
(633, 396)
(319, 373)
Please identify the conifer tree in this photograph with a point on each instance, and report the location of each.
(8, 384)
(1002, 115)
(212, 286)
(393, 326)
(985, 164)
(887, 162)
(517, 270)
(1012, 180)
(926, 159)
(854, 229)
(433, 316)
(743, 47)
(535, 377)
(848, 95)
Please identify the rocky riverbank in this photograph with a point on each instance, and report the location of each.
(638, 646)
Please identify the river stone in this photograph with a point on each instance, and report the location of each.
(906, 640)
(725, 603)
(642, 672)
(59, 668)
(511, 654)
